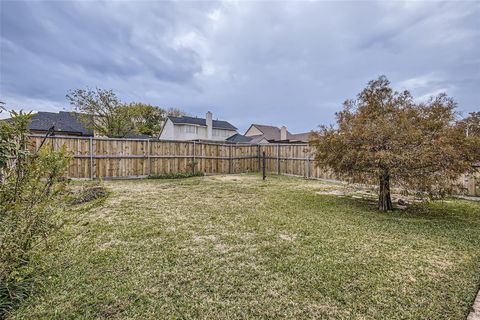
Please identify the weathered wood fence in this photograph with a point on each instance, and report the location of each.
(125, 158)
(108, 158)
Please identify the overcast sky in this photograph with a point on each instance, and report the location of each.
(279, 63)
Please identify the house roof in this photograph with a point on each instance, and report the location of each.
(258, 139)
(218, 124)
(239, 138)
(269, 132)
(273, 133)
(62, 121)
(305, 136)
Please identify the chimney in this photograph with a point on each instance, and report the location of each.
(283, 133)
(209, 125)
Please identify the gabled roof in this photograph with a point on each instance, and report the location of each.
(272, 133)
(217, 124)
(62, 121)
(305, 136)
(239, 138)
(269, 132)
(258, 139)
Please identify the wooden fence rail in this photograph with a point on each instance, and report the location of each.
(125, 158)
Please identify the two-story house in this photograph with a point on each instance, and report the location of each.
(193, 128)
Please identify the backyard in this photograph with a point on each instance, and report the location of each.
(224, 247)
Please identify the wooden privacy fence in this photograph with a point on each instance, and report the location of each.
(125, 158)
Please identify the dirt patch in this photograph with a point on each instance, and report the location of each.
(110, 244)
(287, 237)
(400, 200)
(198, 239)
(232, 178)
(332, 192)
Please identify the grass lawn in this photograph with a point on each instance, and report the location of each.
(237, 247)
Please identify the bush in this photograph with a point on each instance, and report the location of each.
(87, 193)
(30, 195)
(178, 175)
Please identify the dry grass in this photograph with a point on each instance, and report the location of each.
(237, 247)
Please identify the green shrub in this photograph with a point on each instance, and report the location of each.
(30, 195)
(178, 175)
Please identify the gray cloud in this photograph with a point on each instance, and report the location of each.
(289, 63)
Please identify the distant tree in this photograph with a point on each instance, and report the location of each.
(175, 112)
(384, 137)
(147, 119)
(472, 124)
(101, 111)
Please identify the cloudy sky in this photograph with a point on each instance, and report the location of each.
(280, 63)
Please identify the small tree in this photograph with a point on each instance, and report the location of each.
(147, 119)
(31, 181)
(384, 136)
(101, 111)
(175, 112)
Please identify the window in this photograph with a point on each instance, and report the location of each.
(190, 129)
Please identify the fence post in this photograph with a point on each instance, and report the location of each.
(193, 162)
(308, 166)
(259, 158)
(278, 159)
(230, 159)
(149, 162)
(91, 158)
(263, 166)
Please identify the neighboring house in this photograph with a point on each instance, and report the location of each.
(192, 128)
(262, 134)
(63, 123)
(240, 138)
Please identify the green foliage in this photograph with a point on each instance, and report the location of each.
(31, 184)
(147, 119)
(102, 111)
(384, 136)
(178, 175)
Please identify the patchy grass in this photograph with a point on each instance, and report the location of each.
(238, 247)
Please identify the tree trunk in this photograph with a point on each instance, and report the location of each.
(384, 198)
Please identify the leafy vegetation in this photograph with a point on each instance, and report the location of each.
(31, 184)
(102, 111)
(230, 247)
(384, 136)
(177, 175)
